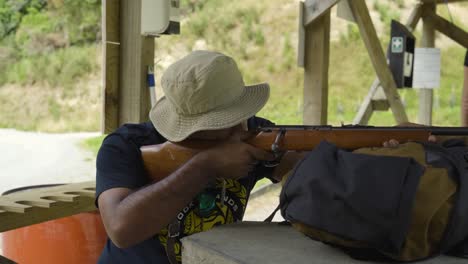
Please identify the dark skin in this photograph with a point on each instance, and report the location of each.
(132, 216)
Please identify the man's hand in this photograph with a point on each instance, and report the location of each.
(234, 158)
(392, 143)
(287, 163)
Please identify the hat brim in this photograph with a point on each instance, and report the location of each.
(175, 127)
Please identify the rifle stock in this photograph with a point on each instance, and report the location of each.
(162, 159)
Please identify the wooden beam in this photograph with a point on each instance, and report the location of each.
(414, 17)
(365, 111)
(380, 105)
(316, 8)
(447, 28)
(428, 41)
(137, 53)
(39, 205)
(301, 35)
(110, 70)
(316, 62)
(379, 61)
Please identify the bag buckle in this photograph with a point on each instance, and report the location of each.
(173, 229)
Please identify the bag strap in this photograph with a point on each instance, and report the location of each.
(272, 215)
(173, 233)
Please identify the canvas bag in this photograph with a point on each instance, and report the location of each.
(403, 203)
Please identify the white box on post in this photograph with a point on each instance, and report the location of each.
(160, 17)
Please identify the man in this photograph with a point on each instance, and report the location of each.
(205, 98)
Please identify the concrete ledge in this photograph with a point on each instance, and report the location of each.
(269, 243)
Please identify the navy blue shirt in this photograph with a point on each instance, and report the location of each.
(119, 164)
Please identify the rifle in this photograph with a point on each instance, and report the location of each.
(162, 159)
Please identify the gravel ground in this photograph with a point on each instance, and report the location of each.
(261, 206)
(30, 158)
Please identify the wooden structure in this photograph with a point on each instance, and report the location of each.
(315, 16)
(34, 206)
(425, 9)
(127, 55)
(314, 34)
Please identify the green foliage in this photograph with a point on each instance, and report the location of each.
(54, 109)
(13, 11)
(59, 69)
(387, 13)
(88, 13)
(93, 144)
(351, 35)
(31, 36)
(198, 26)
(35, 54)
(400, 3)
(289, 54)
(383, 10)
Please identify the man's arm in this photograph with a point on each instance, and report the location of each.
(133, 216)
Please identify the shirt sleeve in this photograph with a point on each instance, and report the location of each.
(118, 165)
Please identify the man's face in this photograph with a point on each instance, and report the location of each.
(220, 134)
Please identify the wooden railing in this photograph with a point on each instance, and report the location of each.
(32, 206)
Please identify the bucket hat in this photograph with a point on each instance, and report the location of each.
(204, 91)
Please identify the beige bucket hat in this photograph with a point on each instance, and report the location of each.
(204, 91)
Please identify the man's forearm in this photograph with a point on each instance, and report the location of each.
(146, 211)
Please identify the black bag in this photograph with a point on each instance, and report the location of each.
(406, 203)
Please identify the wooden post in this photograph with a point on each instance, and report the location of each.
(376, 54)
(110, 70)
(137, 53)
(316, 8)
(365, 111)
(316, 61)
(428, 41)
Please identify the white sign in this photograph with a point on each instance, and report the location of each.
(397, 45)
(426, 68)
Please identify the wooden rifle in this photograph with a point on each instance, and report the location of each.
(163, 159)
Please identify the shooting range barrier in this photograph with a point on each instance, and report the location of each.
(54, 224)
